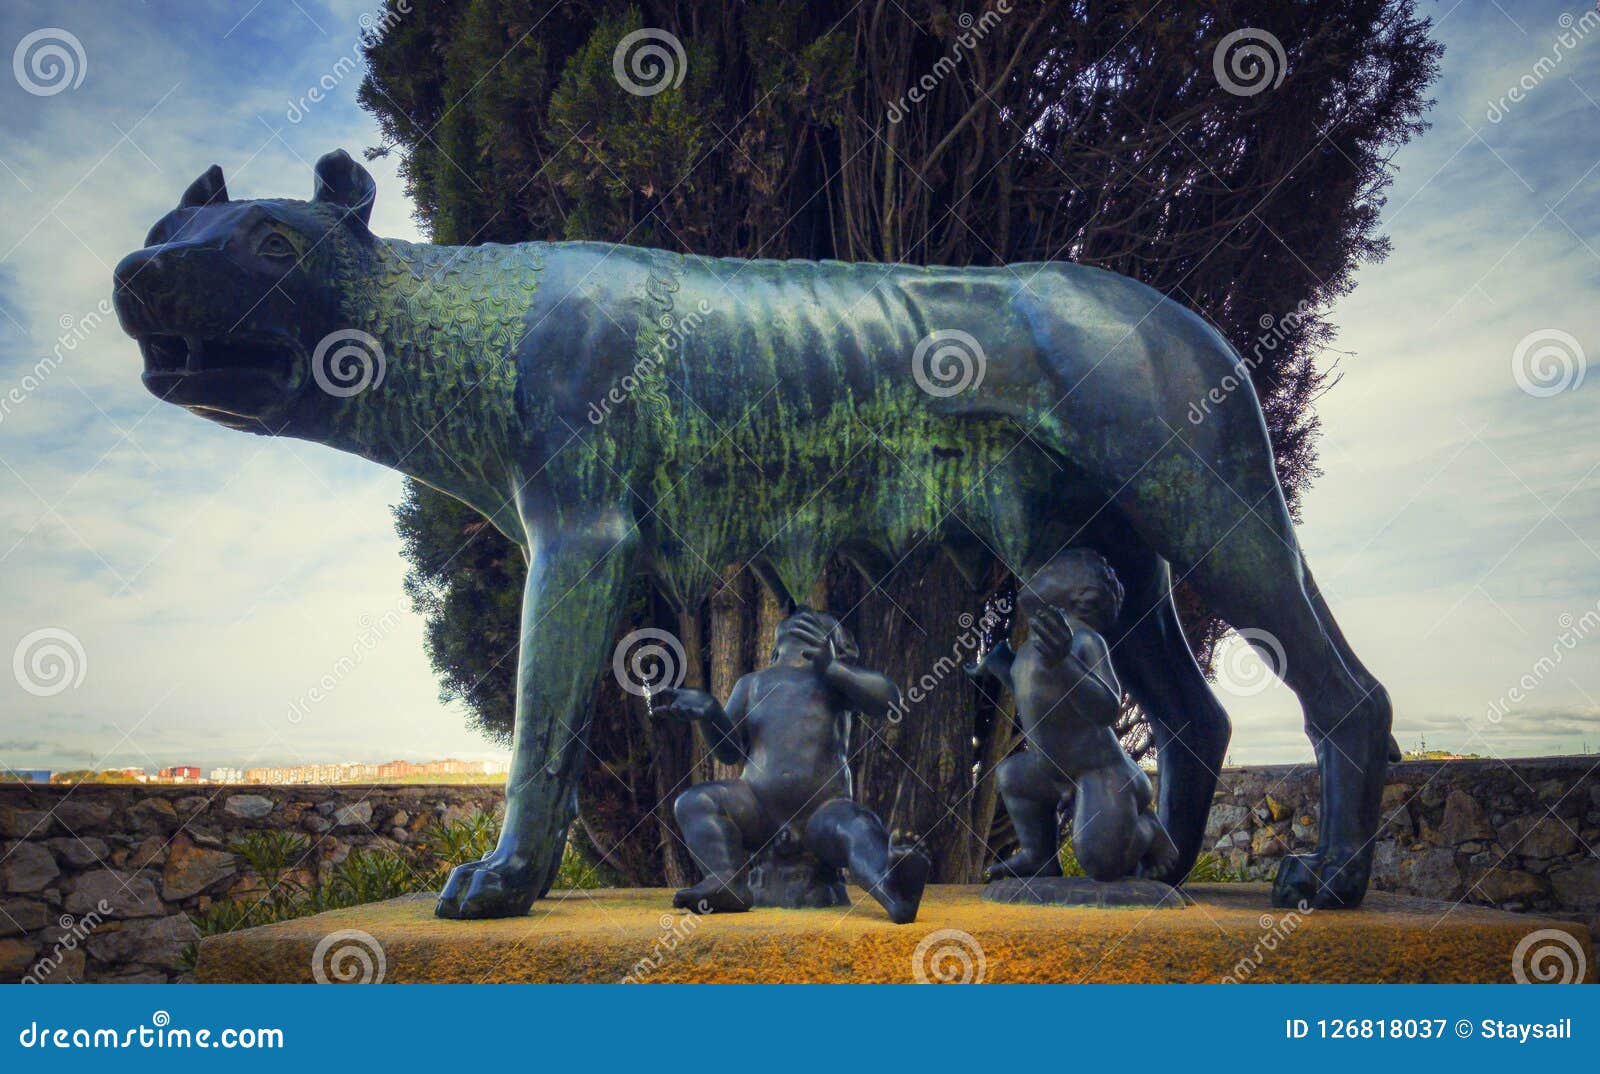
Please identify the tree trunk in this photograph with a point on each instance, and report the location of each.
(915, 770)
(735, 607)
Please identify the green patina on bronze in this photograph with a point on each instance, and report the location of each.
(616, 409)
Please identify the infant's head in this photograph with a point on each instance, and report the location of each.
(844, 646)
(1079, 582)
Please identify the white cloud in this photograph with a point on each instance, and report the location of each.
(213, 579)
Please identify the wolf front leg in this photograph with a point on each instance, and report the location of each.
(575, 591)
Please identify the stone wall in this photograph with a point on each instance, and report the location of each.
(1520, 835)
(98, 882)
(103, 880)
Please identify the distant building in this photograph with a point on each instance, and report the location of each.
(352, 772)
(183, 773)
(33, 775)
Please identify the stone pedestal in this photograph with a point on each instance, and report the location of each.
(1230, 932)
(1081, 891)
(786, 875)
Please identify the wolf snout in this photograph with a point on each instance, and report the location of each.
(141, 283)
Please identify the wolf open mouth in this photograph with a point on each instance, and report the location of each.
(192, 354)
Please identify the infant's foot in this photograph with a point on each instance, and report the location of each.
(712, 896)
(900, 891)
(1161, 854)
(1024, 866)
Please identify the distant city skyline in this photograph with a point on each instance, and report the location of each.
(272, 775)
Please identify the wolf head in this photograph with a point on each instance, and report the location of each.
(230, 301)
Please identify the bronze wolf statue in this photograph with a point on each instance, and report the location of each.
(616, 410)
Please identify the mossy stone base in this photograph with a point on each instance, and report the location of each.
(1229, 931)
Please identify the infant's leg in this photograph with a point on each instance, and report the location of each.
(1107, 835)
(718, 820)
(1031, 789)
(847, 836)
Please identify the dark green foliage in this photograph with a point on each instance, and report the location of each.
(1069, 131)
(293, 886)
(466, 579)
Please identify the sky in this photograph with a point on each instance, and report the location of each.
(204, 588)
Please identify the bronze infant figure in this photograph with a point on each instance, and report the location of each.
(789, 725)
(1068, 700)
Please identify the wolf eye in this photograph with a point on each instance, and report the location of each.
(272, 244)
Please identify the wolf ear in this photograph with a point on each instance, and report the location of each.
(343, 182)
(209, 189)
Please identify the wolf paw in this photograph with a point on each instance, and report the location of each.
(486, 888)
